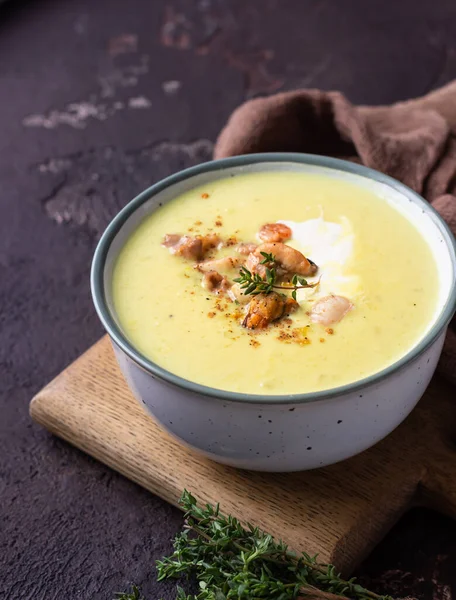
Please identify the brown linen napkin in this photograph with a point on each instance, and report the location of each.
(413, 141)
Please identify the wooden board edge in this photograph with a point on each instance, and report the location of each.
(59, 429)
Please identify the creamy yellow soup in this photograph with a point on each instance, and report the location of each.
(370, 254)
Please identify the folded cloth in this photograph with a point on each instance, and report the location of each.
(412, 141)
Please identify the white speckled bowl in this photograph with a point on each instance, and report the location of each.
(290, 432)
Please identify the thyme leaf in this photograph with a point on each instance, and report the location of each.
(253, 283)
(230, 561)
(133, 595)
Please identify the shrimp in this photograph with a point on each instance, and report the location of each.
(274, 232)
(330, 309)
(214, 282)
(190, 247)
(289, 261)
(265, 308)
(220, 264)
(246, 248)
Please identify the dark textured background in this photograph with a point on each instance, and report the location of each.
(99, 99)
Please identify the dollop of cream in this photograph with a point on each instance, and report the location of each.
(331, 246)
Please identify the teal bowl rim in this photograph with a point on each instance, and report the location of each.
(99, 259)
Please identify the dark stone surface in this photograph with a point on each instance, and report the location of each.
(97, 101)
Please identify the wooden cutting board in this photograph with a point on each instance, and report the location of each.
(339, 512)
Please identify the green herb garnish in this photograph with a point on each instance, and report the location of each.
(253, 283)
(267, 258)
(232, 562)
(133, 595)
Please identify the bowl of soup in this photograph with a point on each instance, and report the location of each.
(276, 312)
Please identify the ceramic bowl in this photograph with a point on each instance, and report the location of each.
(288, 432)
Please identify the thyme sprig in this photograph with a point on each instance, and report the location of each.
(233, 562)
(133, 595)
(254, 284)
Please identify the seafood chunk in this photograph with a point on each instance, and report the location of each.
(187, 247)
(214, 282)
(253, 263)
(210, 241)
(274, 232)
(291, 306)
(246, 248)
(265, 308)
(237, 295)
(288, 260)
(220, 264)
(191, 247)
(171, 239)
(330, 309)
